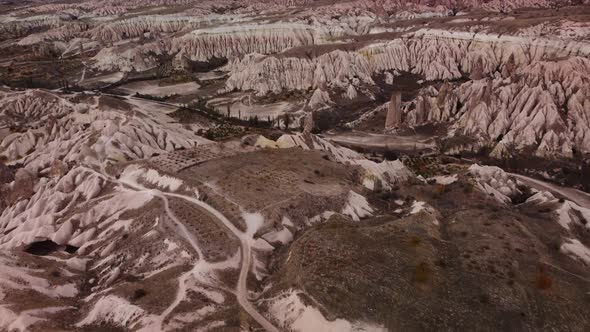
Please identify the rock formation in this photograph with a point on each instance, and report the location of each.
(320, 99)
(351, 92)
(524, 113)
(101, 133)
(435, 54)
(116, 181)
(509, 68)
(477, 72)
(308, 123)
(394, 111)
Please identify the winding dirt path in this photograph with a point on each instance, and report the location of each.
(579, 197)
(245, 243)
(245, 240)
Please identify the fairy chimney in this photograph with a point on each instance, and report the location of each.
(394, 111)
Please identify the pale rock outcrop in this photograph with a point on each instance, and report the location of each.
(394, 111)
(320, 99)
(308, 127)
(136, 26)
(199, 44)
(266, 74)
(431, 106)
(412, 9)
(63, 33)
(509, 67)
(58, 168)
(477, 72)
(24, 183)
(439, 11)
(435, 54)
(108, 10)
(351, 92)
(389, 78)
(31, 107)
(17, 28)
(308, 123)
(527, 113)
(494, 182)
(123, 58)
(232, 41)
(578, 30)
(385, 174)
(546, 108)
(518, 100)
(98, 134)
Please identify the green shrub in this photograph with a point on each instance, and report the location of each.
(468, 188)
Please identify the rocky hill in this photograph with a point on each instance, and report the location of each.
(294, 165)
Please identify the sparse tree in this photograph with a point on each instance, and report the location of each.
(253, 121)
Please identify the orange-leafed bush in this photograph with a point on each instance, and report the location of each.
(543, 281)
(439, 189)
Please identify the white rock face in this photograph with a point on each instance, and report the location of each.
(354, 17)
(232, 41)
(577, 250)
(394, 112)
(65, 205)
(494, 182)
(412, 9)
(563, 29)
(201, 44)
(61, 33)
(320, 99)
(545, 106)
(385, 174)
(291, 313)
(31, 107)
(351, 92)
(137, 26)
(35, 218)
(128, 59)
(116, 311)
(77, 206)
(265, 74)
(527, 89)
(101, 132)
(435, 54)
(13, 28)
(520, 96)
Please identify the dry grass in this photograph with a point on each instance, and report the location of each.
(414, 241)
(422, 272)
